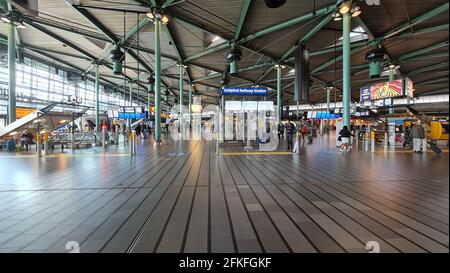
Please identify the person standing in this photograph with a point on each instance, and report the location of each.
(290, 130)
(280, 131)
(418, 135)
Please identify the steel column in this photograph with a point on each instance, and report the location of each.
(150, 91)
(328, 99)
(244, 10)
(181, 116)
(346, 68)
(97, 98)
(11, 74)
(190, 105)
(279, 92)
(157, 79)
(391, 78)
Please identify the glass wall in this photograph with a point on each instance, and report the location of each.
(38, 85)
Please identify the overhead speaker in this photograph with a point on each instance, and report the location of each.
(302, 81)
(273, 4)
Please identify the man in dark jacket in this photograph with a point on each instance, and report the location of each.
(290, 130)
(418, 135)
(280, 131)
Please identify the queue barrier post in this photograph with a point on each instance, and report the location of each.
(38, 145)
(132, 143)
(46, 143)
(372, 141)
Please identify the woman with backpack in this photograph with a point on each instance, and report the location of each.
(344, 137)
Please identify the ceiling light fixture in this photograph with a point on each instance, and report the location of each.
(355, 11)
(345, 7)
(336, 16)
(150, 15)
(165, 19)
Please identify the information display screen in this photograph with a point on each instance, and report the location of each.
(231, 105)
(321, 115)
(249, 106)
(265, 105)
(131, 115)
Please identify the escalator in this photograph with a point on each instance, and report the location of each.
(38, 121)
(426, 120)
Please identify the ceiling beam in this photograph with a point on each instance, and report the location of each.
(168, 3)
(116, 41)
(242, 16)
(263, 32)
(365, 28)
(179, 53)
(423, 31)
(94, 21)
(61, 39)
(429, 15)
(76, 68)
(435, 81)
(327, 18)
(420, 51)
(73, 46)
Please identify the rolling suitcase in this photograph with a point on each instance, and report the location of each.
(310, 139)
(11, 145)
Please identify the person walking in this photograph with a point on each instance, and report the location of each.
(344, 137)
(304, 131)
(407, 137)
(290, 130)
(418, 135)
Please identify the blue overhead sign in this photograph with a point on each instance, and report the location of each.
(245, 91)
(365, 94)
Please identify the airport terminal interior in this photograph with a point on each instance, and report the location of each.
(212, 126)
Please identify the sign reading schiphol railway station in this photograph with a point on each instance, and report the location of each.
(245, 91)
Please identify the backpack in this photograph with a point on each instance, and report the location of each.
(304, 130)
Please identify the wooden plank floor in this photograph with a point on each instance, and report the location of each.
(160, 201)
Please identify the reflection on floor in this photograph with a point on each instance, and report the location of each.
(166, 201)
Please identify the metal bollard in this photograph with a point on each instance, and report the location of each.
(386, 140)
(372, 141)
(132, 143)
(46, 143)
(38, 145)
(357, 139)
(366, 140)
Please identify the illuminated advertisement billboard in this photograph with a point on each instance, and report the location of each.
(385, 90)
